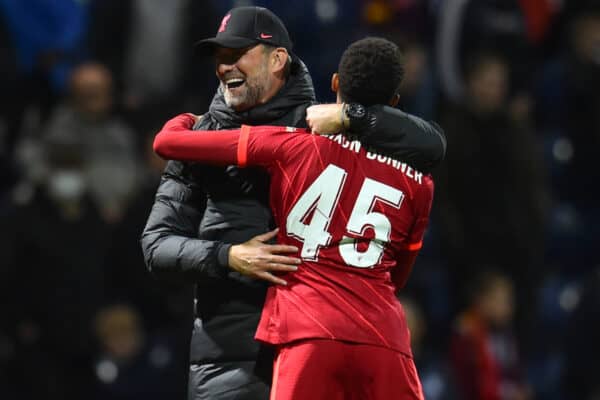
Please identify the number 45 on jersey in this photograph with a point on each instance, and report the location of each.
(321, 198)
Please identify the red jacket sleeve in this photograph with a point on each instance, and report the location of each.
(177, 141)
(246, 146)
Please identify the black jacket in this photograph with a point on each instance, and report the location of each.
(200, 211)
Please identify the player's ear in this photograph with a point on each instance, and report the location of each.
(394, 101)
(335, 82)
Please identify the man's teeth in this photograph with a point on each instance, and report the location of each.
(234, 82)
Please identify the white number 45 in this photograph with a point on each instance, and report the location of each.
(320, 200)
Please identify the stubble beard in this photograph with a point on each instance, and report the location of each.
(249, 95)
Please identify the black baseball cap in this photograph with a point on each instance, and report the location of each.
(244, 26)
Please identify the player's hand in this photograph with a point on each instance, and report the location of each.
(258, 259)
(325, 119)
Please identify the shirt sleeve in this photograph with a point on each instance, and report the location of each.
(422, 208)
(248, 145)
(177, 141)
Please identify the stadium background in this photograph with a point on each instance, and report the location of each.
(84, 85)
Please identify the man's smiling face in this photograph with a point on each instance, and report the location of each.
(244, 76)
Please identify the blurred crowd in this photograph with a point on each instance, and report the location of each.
(504, 299)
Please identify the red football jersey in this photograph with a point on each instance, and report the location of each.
(350, 212)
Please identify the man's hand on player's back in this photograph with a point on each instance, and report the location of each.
(258, 259)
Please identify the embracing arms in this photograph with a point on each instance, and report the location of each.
(169, 240)
(389, 131)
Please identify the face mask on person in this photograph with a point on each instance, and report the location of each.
(66, 184)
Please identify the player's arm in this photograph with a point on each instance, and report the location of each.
(405, 260)
(406, 256)
(400, 135)
(385, 130)
(245, 146)
(177, 141)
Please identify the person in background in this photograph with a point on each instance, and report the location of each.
(418, 93)
(483, 350)
(131, 363)
(38, 51)
(146, 45)
(53, 276)
(511, 27)
(107, 143)
(580, 108)
(492, 195)
(164, 306)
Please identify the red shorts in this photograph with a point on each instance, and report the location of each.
(327, 369)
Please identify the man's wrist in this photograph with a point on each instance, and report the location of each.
(344, 119)
(355, 116)
(223, 255)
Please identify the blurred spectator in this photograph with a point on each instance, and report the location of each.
(148, 46)
(52, 274)
(132, 364)
(583, 127)
(511, 27)
(491, 193)
(582, 118)
(418, 88)
(484, 351)
(569, 113)
(39, 42)
(107, 144)
(432, 369)
(165, 307)
(568, 11)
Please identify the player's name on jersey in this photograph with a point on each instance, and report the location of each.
(355, 146)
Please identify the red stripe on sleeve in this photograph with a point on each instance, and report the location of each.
(415, 246)
(242, 150)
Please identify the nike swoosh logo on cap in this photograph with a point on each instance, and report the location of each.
(265, 36)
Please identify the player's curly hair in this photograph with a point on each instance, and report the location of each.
(370, 71)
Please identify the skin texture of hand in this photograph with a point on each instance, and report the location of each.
(325, 119)
(258, 259)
